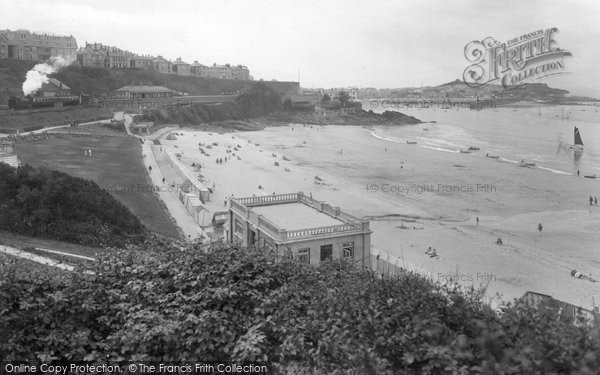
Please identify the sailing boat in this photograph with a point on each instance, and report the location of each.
(578, 143)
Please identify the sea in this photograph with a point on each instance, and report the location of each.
(539, 135)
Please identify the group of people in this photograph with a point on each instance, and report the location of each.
(593, 201)
(88, 152)
(432, 253)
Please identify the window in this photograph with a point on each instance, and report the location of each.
(326, 252)
(348, 250)
(304, 255)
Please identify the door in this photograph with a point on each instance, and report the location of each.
(326, 252)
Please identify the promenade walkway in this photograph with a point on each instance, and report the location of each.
(167, 193)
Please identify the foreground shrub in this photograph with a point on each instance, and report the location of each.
(161, 303)
(52, 204)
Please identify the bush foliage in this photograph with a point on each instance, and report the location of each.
(257, 101)
(51, 204)
(158, 302)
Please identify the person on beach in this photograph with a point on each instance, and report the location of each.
(163, 180)
(578, 173)
(591, 200)
(540, 227)
(477, 219)
(499, 241)
(150, 168)
(595, 201)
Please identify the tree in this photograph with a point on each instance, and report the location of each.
(325, 99)
(344, 98)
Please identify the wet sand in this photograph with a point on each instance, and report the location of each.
(435, 196)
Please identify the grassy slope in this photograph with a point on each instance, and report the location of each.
(12, 76)
(103, 81)
(51, 116)
(116, 165)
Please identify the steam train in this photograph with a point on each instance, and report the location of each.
(30, 101)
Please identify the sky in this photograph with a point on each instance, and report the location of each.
(381, 43)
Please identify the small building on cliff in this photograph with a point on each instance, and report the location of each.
(143, 92)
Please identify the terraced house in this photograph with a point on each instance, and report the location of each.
(98, 55)
(24, 45)
(299, 226)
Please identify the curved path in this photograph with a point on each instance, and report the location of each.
(182, 218)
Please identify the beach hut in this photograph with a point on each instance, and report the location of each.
(192, 183)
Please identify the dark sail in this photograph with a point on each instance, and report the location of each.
(578, 140)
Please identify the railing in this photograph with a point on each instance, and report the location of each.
(239, 208)
(350, 219)
(243, 206)
(270, 227)
(331, 211)
(268, 200)
(319, 231)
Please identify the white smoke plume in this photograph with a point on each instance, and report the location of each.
(37, 76)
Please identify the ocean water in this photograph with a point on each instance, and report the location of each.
(535, 134)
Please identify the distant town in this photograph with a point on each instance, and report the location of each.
(23, 44)
(26, 45)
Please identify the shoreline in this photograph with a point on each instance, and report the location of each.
(286, 118)
(447, 219)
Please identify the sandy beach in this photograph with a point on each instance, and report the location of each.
(416, 198)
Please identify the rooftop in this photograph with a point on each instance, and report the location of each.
(295, 216)
(180, 62)
(144, 89)
(52, 85)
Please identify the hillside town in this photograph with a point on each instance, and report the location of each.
(26, 45)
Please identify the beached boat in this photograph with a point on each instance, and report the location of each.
(524, 163)
(411, 142)
(492, 156)
(474, 148)
(590, 176)
(465, 151)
